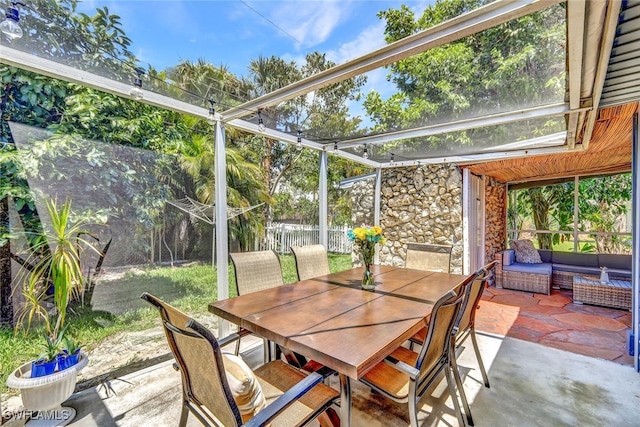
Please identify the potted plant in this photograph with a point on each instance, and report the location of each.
(55, 264)
(47, 362)
(70, 353)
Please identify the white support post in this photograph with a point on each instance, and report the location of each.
(323, 195)
(466, 225)
(222, 247)
(376, 208)
(635, 271)
(515, 209)
(482, 211)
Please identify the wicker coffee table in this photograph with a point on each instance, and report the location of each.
(589, 290)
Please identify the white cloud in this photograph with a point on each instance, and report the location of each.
(368, 40)
(310, 23)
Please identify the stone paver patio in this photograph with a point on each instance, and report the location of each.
(555, 321)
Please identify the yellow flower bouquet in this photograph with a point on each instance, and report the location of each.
(366, 238)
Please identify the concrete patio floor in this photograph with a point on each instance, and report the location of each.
(531, 385)
(550, 363)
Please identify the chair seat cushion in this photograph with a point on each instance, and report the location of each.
(392, 381)
(543, 268)
(245, 387)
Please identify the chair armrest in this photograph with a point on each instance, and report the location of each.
(233, 337)
(402, 366)
(281, 403)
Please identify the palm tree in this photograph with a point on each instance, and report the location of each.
(207, 81)
(244, 179)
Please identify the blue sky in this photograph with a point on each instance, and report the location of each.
(233, 32)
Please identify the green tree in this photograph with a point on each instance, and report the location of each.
(602, 205)
(321, 115)
(208, 82)
(516, 64)
(244, 179)
(55, 32)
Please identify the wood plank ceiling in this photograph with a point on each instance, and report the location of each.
(609, 151)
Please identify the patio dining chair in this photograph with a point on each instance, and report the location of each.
(311, 261)
(255, 271)
(465, 328)
(221, 390)
(430, 257)
(405, 376)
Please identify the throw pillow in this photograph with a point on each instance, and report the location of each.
(245, 387)
(525, 252)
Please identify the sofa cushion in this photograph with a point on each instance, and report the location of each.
(545, 255)
(525, 252)
(540, 268)
(615, 261)
(508, 257)
(579, 269)
(574, 258)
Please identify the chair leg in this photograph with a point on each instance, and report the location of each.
(183, 415)
(454, 396)
(266, 346)
(477, 351)
(237, 352)
(413, 410)
(463, 395)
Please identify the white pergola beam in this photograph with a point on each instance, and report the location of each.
(604, 53)
(47, 67)
(484, 157)
(576, 13)
(485, 17)
(494, 119)
(222, 240)
(53, 69)
(323, 202)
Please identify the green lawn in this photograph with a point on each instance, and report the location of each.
(117, 306)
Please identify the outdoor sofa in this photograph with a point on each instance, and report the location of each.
(557, 269)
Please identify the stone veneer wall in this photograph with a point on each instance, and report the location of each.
(421, 204)
(496, 216)
(495, 198)
(362, 202)
(424, 204)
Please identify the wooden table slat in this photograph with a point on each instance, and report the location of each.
(331, 320)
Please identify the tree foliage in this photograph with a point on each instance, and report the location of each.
(514, 65)
(320, 115)
(603, 203)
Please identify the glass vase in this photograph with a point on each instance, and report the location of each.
(368, 284)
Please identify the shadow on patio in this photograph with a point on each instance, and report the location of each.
(531, 385)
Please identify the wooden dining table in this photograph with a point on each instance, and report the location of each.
(331, 320)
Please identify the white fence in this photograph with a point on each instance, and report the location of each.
(279, 237)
